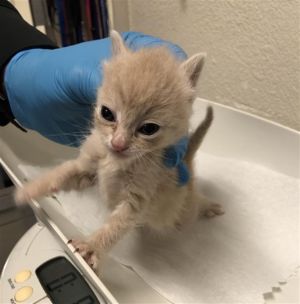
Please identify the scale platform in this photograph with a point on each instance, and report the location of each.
(234, 136)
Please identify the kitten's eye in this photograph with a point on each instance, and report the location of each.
(149, 128)
(107, 114)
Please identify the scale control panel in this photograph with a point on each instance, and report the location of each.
(39, 271)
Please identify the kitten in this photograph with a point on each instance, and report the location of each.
(143, 106)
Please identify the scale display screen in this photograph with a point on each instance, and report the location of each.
(63, 283)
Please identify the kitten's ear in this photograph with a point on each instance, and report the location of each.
(118, 45)
(193, 67)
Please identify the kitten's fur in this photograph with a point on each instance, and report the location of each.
(148, 85)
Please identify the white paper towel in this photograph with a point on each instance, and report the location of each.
(234, 258)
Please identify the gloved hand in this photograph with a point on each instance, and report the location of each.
(53, 91)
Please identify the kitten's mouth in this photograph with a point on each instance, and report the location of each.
(120, 154)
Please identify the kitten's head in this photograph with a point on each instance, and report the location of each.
(145, 100)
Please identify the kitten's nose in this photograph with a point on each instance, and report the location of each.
(119, 144)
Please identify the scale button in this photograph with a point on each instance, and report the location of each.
(22, 276)
(23, 293)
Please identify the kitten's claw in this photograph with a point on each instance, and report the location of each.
(53, 189)
(213, 210)
(87, 251)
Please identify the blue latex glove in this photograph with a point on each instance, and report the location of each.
(53, 91)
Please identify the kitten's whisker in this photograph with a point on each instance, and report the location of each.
(82, 118)
(80, 136)
(77, 142)
(70, 133)
(87, 122)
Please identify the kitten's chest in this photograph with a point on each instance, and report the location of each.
(112, 182)
(116, 182)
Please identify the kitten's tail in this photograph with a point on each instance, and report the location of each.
(197, 137)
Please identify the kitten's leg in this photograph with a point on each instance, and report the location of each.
(122, 219)
(69, 175)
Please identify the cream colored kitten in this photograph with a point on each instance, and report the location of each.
(143, 106)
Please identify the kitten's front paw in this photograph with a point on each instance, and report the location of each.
(22, 196)
(87, 251)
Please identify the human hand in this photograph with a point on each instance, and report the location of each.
(53, 91)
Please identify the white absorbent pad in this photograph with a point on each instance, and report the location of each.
(233, 258)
